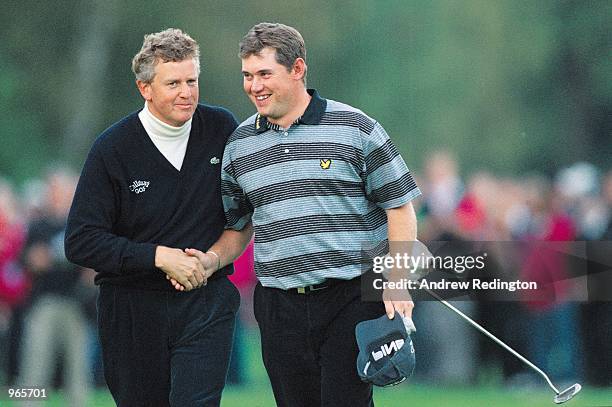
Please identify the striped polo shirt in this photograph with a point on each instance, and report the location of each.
(316, 193)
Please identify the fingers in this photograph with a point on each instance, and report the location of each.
(404, 308)
(175, 283)
(178, 265)
(192, 252)
(188, 285)
(187, 276)
(208, 260)
(193, 273)
(186, 270)
(196, 253)
(199, 275)
(389, 309)
(180, 287)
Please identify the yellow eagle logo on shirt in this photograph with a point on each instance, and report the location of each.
(325, 163)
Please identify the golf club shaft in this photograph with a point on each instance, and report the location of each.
(494, 338)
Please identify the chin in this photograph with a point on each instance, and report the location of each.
(177, 121)
(185, 117)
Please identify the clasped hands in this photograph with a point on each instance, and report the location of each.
(187, 269)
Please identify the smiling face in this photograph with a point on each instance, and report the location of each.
(276, 92)
(173, 94)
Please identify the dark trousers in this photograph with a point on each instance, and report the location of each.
(167, 348)
(309, 347)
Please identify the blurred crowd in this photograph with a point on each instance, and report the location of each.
(47, 305)
(567, 329)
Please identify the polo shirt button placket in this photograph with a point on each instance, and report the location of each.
(285, 133)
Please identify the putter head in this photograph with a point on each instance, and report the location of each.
(567, 394)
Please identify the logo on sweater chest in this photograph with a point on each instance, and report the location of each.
(139, 186)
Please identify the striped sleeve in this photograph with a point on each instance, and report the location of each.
(389, 183)
(238, 209)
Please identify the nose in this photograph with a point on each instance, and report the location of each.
(185, 90)
(256, 85)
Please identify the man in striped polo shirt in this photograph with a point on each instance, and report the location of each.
(318, 180)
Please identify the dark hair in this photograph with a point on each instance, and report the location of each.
(287, 41)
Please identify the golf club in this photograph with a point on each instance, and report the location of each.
(560, 396)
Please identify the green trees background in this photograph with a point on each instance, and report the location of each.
(510, 86)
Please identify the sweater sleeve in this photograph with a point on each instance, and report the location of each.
(89, 240)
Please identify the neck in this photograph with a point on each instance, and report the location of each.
(159, 128)
(300, 104)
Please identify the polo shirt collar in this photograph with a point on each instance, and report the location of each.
(312, 115)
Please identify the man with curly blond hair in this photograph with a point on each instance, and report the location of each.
(150, 190)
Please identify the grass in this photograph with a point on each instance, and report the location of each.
(257, 392)
(260, 395)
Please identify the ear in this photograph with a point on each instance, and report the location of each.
(299, 69)
(145, 89)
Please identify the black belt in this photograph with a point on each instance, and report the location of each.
(330, 282)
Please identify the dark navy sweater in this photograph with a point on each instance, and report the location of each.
(130, 199)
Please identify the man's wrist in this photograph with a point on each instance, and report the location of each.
(158, 257)
(214, 253)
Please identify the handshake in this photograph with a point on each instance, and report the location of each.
(187, 269)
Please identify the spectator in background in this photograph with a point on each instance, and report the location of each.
(595, 227)
(55, 324)
(444, 191)
(13, 281)
(441, 333)
(549, 316)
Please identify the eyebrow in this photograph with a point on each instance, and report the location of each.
(259, 72)
(170, 80)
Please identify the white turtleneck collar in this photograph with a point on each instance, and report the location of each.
(170, 141)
